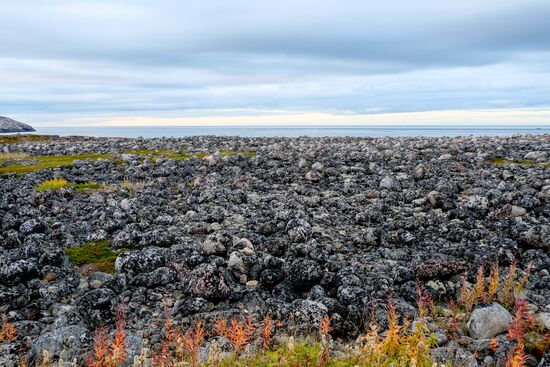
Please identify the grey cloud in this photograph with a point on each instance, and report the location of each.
(137, 56)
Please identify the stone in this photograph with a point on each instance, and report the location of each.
(543, 318)
(489, 321)
(65, 343)
(388, 183)
(207, 282)
(454, 356)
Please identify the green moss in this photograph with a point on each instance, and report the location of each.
(98, 254)
(34, 163)
(23, 138)
(524, 162)
(53, 184)
(86, 186)
(22, 163)
(182, 155)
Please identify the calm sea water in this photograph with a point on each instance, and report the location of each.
(372, 131)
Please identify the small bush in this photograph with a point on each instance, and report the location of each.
(95, 253)
(53, 184)
(7, 332)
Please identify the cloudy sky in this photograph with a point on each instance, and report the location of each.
(166, 62)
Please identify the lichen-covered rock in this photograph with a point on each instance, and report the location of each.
(454, 356)
(97, 307)
(206, 281)
(67, 343)
(138, 262)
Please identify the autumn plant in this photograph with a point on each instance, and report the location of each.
(8, 333)
(493, 288)
(239, 333)
(402, 344)
(110, 351)
(523, 321)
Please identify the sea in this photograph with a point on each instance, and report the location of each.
(292, 131)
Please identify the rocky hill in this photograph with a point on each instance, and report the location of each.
(8, 125)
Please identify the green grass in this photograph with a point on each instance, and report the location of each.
(81, 187)
(45, 162)
(53, 184)
(97, 254)
(23, 138)
(182, 155)
(59, 183)
(524, 162)
(20, 163)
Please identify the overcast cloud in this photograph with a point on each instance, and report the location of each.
(67, 61)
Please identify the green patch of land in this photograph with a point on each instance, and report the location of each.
(23, 138)
(501, 162)
(96, 254)
(33, 163)
(21, 163)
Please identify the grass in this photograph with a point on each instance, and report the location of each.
(53, 184)
(59, 183)
(45, 162)
(23, 138)
(21, 163)
(88, 186)
(182, 154)
(524, 162)
(97, 254)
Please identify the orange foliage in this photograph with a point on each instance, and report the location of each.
(8, 333)
(192, 340)
(324, 326)
(109, 352)
(239, 333)
(267, 331)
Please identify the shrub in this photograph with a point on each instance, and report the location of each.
(8, 333)
(53, 184)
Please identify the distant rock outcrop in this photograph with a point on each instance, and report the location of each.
(8, 125)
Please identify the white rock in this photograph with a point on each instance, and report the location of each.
(535, 155)
(489, 321)
(388, 183)
(517, 211)
(544, 318)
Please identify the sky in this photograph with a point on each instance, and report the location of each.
(254, 62)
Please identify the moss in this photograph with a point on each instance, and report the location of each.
(23, 138)
(86, 186)
(182, 155)
(35, 163)
(524, 162)
(98, 254)
(22, 163)
(53, 184)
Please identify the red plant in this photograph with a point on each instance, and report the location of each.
(192, 341)
(425, 302)
(109, 352)
(239, 333)
(324, 326)
(522, 322)
(99, 358)
(162, 359)
(267, 332)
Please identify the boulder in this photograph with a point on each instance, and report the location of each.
(489, 321)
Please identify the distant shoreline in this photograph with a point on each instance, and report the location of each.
(291, 131)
